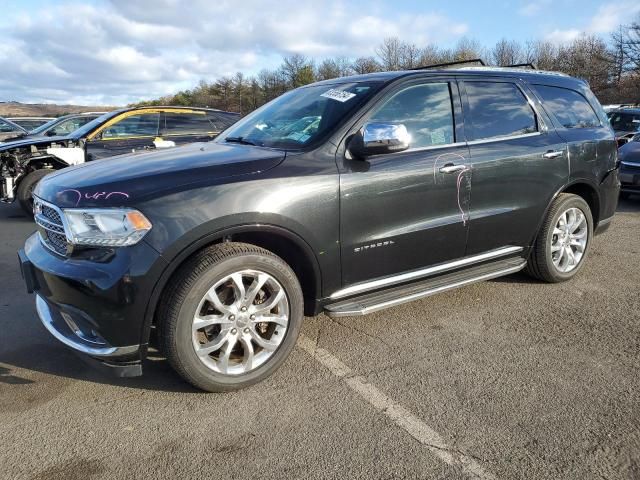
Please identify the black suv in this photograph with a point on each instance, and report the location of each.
(345, 196)
(25, 161)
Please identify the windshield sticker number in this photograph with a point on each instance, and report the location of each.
(339, 95)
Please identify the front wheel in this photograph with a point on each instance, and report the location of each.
(26, 186)
(563, 243)
(232, 316)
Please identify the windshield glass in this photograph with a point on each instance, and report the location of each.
(301, 117)
(45, 126)
(625, 121)
(88, 127)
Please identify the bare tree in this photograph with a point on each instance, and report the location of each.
(363, 65)
(507, 52)
(389, 53)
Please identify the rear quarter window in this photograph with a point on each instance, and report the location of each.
(188, 124)
(569, 107)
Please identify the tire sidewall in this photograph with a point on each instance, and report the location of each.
(26, 187)
(563, 206)
(203, 376)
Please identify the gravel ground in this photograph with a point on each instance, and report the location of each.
(505, 379)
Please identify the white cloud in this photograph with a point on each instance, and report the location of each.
(606, 19)
(122, 51)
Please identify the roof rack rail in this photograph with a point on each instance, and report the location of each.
(450, 64)
(522, 65)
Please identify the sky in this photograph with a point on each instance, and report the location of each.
(114, 52)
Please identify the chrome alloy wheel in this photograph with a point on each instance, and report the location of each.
(240, 322)
(569, 240)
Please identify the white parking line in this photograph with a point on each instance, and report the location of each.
(402, 417)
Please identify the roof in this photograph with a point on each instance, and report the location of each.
(530, 75)
(172, 107)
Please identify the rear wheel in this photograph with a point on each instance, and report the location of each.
(563, 243)
(625, 195)
(26, 186)
(231, 318)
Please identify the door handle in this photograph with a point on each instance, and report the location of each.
(452, 168)
(553, 154)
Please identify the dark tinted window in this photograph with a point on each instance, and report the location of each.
(142, 125)
(625, 121)
(570, 108)
(425, 110)
(188, 124)
(223, 120)
(499, 110)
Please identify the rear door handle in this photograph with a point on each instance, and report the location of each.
(452, 168)
(553, 154)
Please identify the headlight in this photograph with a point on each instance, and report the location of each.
(106, 227)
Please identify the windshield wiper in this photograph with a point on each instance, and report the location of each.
(241, 140)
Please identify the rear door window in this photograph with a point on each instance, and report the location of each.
(188, 124)
(569, 107)
(499, 110)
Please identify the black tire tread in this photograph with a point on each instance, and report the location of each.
(180, 285)
(23, 192)
(537, 265)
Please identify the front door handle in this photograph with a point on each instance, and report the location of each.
(553, 154)
(452, 168)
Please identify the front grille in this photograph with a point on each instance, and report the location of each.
(51, 229)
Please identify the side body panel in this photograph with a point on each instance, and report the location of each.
(512, 182)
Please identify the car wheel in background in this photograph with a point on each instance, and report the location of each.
(26, 186)
(563, 242)
(232, 315)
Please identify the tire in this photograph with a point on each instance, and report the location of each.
(26, 186)
(542, 260)
(625, 195)
(241, 359)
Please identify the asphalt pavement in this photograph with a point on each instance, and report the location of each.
(510, 378)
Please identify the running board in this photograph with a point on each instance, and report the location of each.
(391, 297)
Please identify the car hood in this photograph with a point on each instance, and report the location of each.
(27, 141)
(629, 152)
(127, 179)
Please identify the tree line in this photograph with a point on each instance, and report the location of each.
(611, 65)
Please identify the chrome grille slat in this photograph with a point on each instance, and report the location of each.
(52, 234)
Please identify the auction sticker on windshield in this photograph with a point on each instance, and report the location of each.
(338, 95)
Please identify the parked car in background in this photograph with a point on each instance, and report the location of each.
(629, 155)
(64, 125)
(29, 123)
(625, 123)
(59, 126)
(24, 162)
(10, 130)
(346, 196)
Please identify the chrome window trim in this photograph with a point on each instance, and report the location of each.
(502, 139)
(404, 277)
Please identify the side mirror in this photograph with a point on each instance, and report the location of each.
(378, 138)
(52, 133)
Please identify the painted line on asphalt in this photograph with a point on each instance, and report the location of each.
(402, 417)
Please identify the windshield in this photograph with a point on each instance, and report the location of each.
(625, 121)
(45, 126)
(88, 127)
(301, 117)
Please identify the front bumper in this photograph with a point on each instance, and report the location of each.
(96, 303)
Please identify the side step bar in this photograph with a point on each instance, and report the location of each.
(373, 302)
